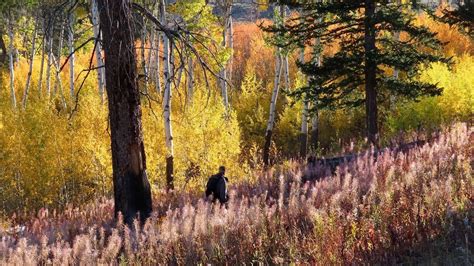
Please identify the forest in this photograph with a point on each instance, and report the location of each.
(344, 130)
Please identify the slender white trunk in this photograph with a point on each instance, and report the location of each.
(304, 120)
(71, 50)
(286, 66)
(59, 82)
(43, 53)
(144, 63)
(167, 101)
(150, 56)
(58, 85)
(11, 63)
(276, 88)
(315, 119)
(30, 69)
(190, 79)
(98, 49)
(223, 78)
(223, 73)
(158, 65)
(231, 44)
(50, 61)
(272, 113)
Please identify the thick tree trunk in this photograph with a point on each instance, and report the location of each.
(71, 51)
(370, 73)
(12, 65)
(30, 69)
(98, 49)
(132, 194)
(168, 75)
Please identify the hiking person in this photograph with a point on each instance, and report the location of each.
(217, 186)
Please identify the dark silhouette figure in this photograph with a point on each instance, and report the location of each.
(217, 186)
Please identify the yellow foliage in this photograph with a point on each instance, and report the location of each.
(456, 102)
(50, 158)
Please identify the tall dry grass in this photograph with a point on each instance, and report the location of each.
(415, 206)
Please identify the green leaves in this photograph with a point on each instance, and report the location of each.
(340, 24)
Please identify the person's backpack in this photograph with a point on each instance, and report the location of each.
(211, 187)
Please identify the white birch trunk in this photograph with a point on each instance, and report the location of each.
(11, 63)
(223, 72)
(150, 57)
(50, 61)
(98, 49)
(272, 113)
(43, 53)
(158, 65)
(58, 85)
(223, 76)
(167, 101)
(231, 44)
(286, 66)
(144, 63)
(190, 79)
(30, 69)
(315, 119)
(71, 51)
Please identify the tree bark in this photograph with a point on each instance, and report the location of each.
(11, 62)
(304, 130)
(190, 79)
(272, 115)
(143, 58)
(231, 44)
(50, 61)
(71, 51)
(58, 84)
(304, 120)
(158, 64)
(168, 75)
(132, 194)
(370, 71)
(30, 69)
(43, 53)
(4, 53)
(98, 49)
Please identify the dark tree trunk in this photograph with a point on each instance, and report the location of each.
(303, 145)
(266, 148)
(132, 193)
(370, 73)
(3, 54)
